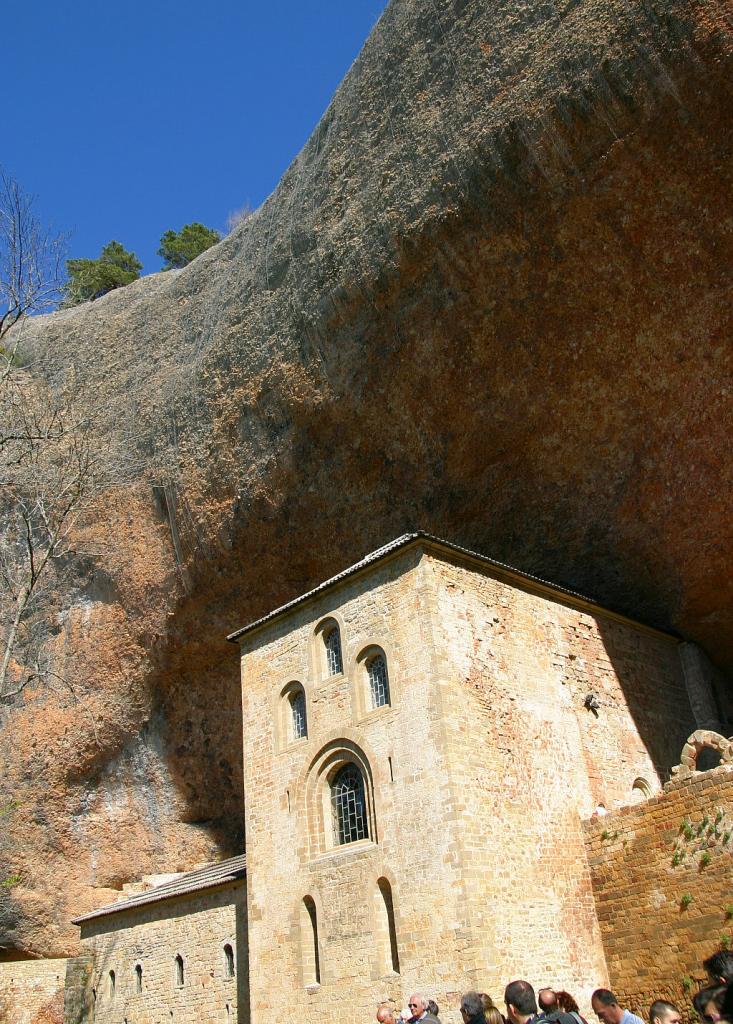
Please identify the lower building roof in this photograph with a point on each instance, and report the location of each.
(224, 871)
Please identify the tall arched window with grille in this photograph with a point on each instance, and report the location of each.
(348, 806)
(332, 643)
(298, 720)
(378, 680)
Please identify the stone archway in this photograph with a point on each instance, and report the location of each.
(699, 741)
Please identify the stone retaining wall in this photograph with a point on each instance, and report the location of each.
(31, 991)
(662, 875)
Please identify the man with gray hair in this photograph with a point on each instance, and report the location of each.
(418, 1007)
(472, 1008)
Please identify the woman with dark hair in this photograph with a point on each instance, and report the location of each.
(708, 1003)
(568, 1005)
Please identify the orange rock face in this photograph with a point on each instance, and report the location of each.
(491, 299)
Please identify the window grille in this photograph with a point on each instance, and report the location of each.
(228, 961)
(349, 806)
(138, 978)
(378, 681)
(332, 640)
(297, 710)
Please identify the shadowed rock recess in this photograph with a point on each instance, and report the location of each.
(491, 298)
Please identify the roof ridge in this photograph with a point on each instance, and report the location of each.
(216, 873)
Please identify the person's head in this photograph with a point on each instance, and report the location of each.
(547, 1000)
(566, 1002)
(493, 1016)
(720, 967)
(385, 1014)
(433, 1008)
(417, 1004)
(605, 1006)
(486, 1001)
(471, 1006)
(708, 1003)
(662, 1012)
(520, 1000)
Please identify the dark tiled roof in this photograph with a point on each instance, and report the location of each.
(404, 541)
(399, 542)
(203, 878)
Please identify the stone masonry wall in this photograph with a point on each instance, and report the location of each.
(528, 760)
(31, 991)
(417, 850)
(196, 927)
(662, 876)
(479, 774)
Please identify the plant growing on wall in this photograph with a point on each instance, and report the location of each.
(685, 901)
(701, 837)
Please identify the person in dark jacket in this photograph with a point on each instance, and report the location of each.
(472, 1008)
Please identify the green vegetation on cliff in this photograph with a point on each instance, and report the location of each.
(180, 247)
(90, 279)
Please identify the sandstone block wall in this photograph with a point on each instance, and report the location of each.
(413, 843)
(197, 928)
(31, 991)
(478, 773)
(662, 876)
(528, 759)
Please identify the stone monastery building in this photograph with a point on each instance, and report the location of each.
(432, 742)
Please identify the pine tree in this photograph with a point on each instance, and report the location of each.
(180, 247)
(89, 279)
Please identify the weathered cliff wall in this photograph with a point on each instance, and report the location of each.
(491, 298)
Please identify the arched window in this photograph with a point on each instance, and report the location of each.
(332, 643)
(180, 974)
(112, 984)
(641, 790)
(138, 978)
(309, 942)
(386, 937)
(378, 680)
(298, 720)
(348, 804)
(708, 757)
(228, 961)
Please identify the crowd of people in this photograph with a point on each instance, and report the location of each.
(712, 1004)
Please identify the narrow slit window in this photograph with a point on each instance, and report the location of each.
(138, 978)
(228, 961)
(348, 802)
(378, 681)
(332, 642)
(311, 953)
(299, 723)
(112, 984)
(180, 971)
(392, 958)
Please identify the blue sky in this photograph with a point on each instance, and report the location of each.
(128, 119)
